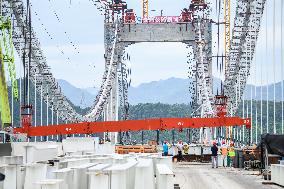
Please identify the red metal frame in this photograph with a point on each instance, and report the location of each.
(133, 125)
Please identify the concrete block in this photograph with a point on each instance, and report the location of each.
(49, 184)
(167, 160)
(10, 172)
(80, 179)
(98, 178)
(34, 172)
(122, 175)
(164, 177)
(73, 145)
(11, 160)
(38, 153)
(66, 175)
(144, 174)
(277, 174)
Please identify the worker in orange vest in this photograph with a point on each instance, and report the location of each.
(224, 152)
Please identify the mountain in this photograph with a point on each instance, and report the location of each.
(168, 91)
(79, 97)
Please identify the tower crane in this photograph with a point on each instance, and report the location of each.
(6, 57)
(145, 8)
(227, 20)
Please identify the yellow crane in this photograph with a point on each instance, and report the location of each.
(145, 8)
(227, 19)
(6, 57)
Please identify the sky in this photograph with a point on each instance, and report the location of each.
(61, 23)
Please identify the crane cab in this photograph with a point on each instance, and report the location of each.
(118, 6)
(129, 16)
(186, 15)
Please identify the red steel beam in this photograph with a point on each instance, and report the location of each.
(133, 125)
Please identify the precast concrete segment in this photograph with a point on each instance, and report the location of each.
(49, 184)
(122, 175)
(34, 173)
(80, 179)
(10, 172)
(98, 178)
(66, 175)
(36, 153)
(144, 174)
(165, 177)
(277, 174)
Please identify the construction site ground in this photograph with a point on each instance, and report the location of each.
(202, 176)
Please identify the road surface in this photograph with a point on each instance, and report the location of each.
(202, 176)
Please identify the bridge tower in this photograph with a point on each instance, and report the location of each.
(192, 27)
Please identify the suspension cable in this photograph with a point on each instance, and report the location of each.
(282, 82)
(274, 77)
(267, 75)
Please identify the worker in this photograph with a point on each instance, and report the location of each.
(165, 148)
(224, 152)
(185, 148)
(179, 148)
(231, 154)
(214, 156)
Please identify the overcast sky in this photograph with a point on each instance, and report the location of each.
(59, 24)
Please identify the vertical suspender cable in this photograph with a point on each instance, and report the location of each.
(274, 80)
(35, 101)
(243, 128)
(282, 71)
(12, 104)
(261, 103)
(57, 137)
(255, 76)
(47, 115)
(41, 107)
(267, 75)
(52, 113)
(20, 96)
(251, 104)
